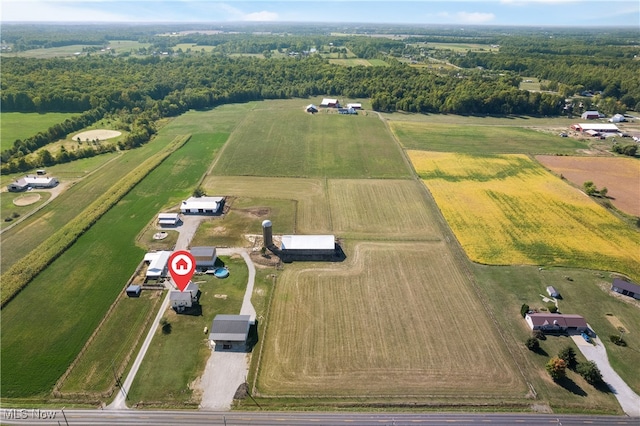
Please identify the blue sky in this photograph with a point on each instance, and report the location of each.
(488, 12)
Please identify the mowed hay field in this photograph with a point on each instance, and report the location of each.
(289, 142)
(384, 209)
(621, 176)
(396, 319)
(493, 138)
(507, 209)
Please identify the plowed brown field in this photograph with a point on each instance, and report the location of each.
(621, 176)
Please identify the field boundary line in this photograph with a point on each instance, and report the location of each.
(36, 261)
(462, 259)
(254, 388)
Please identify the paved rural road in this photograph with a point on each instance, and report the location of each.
(226, 371)
(162, 418)
(628, 399)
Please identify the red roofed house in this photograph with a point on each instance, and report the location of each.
(556, 322)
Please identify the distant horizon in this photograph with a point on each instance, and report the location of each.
(499, 13)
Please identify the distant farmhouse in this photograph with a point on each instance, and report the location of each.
(205, 257)
(181, 300)
(202, 205)
(168, 219)
(157, 264)
(311, 108)
(35, 182)
(626, 288)
(594, 129)
(230, 332)
(330, 103)
(618, 118)
(350, 111)
(355, 105)
(556, 322)
(591, 115)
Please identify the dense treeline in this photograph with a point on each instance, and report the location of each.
(138, 90)
(606, 65)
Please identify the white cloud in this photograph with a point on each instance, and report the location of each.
(47, 11)
(260, 16)
(475, 17)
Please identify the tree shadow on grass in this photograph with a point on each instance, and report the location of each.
(571, 386)
(541, 351)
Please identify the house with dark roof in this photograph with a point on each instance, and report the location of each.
(626, 288)
(556, 322)
(205, 257)
(230, 332)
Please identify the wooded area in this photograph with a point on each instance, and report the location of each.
(138, 87)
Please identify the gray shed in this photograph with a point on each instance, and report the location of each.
(551, 291)
(230, 332)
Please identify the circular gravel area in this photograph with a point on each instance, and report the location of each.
(100, 134)
(25, 200)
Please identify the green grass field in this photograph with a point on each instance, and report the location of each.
(96, 369)
(319, 145)
(175, 360)
(587, 294)
(480, 140)
(74, 292)
(15, 212)
(20, 125)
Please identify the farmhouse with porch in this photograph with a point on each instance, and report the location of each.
(181, 300)
(556, 322)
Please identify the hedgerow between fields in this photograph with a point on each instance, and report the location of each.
(22, 272)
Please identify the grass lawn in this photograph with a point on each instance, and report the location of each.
(175, 360)
(376, 325)
(21, 125)
(320, 145)
(481, 140)
(13, 211)
(507, 209)
(74, 292)
(106, 356)
(584, 293)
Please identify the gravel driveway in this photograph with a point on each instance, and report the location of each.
(628, 399)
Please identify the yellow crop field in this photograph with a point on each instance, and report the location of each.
(507, 209)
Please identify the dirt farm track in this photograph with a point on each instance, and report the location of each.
(619, 175)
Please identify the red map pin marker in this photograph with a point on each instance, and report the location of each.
(182, 265)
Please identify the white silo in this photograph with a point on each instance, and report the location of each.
(267, 233)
